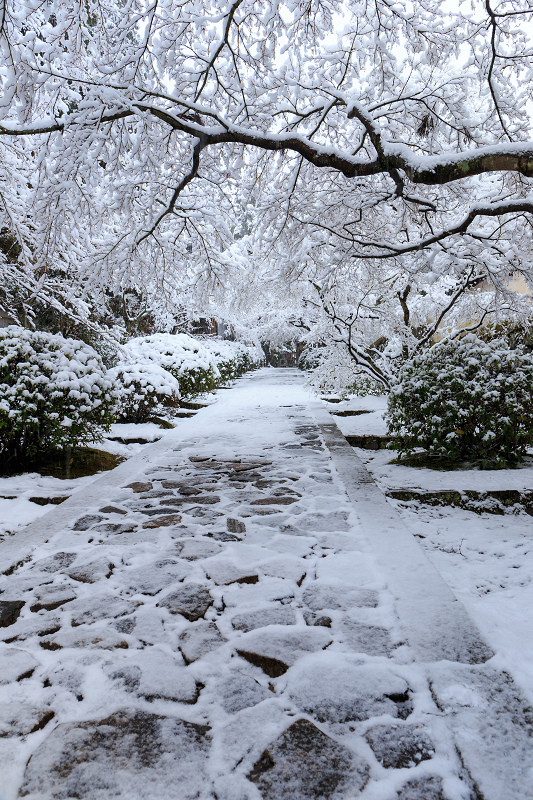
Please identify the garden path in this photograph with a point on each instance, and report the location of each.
(237, 613)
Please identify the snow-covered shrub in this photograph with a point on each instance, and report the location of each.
(144, 390)
(465, 399)
(187, 359)
(234, 358)
(54, 393)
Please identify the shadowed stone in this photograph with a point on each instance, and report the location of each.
(398, 747)
(10, 612)
(84, 523)
(191, 601)
(305, 764)
(129, 754)
(235, 525)
(163, 522)
(200, 639)
(139, 486)
(427, 788)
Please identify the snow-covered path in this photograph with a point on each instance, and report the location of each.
(241, 615)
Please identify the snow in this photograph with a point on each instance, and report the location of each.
(120, 638)
(150, 431)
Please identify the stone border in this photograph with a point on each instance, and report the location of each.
(470, 693)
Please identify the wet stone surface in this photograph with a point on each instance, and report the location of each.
(197, 614)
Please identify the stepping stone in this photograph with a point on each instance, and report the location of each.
(129, 754)
(275, 651)
(10, 612)
(163, 677)
(55, 562)
(270, 501)
(139, 486)
(224, 572)
(154, 493)
(152, 578)
(284, 615)
(320, 620)
(91, 571)
(20, 717)
(235, 525)
(240, 691)
(194, 549)
(398, 747)
(114, 527)
(97, 637)
(84, 523)
(112, 510)
(15, 664)
(50, 597)
(305, 764)
(334, 689)
(222, 536)
(104, 606)
(323, 523)
(369, 639)
(163, 522)
(191, 601)
(426, 788)
(198, 640)
(285, 566)
(321, 596)
(152, 512)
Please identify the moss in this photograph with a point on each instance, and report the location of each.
(81, 461)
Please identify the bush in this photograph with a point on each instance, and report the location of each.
(465, 400)
(53, 393)
(234, 359)
(144, 390)
(187, 359)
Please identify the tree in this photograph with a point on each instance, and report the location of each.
(392, 137)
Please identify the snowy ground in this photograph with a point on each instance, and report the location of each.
(16, 508)
(219, 621)
(486, 559)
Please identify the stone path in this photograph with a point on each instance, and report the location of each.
(237, 615)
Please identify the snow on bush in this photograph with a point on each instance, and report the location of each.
(234, 358)
(144, 390)
(187, 359)
(53, 393)
(465, 399)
